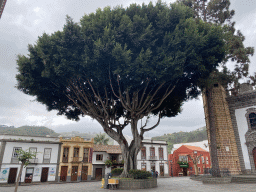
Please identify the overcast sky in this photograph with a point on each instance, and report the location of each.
(24, 20)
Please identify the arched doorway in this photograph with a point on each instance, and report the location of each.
(254, 156)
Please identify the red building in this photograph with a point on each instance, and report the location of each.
(180, 162)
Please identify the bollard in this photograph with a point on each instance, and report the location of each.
(102, 183)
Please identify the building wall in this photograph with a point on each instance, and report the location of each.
(227, 148)
(174, 167)
(6, 163)
(157, 162)
(239, 105)
(76, 142)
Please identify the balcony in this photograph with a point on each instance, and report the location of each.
(33, 161)
(161, 158)
(64, 159)
(152, 158)
(46, 161)
(76, 159)
(14, 160)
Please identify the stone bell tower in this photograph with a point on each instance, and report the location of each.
(219, 125)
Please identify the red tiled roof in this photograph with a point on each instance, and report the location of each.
(113, 149)
(194, 148)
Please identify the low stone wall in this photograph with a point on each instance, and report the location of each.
(216, 180)
(137, 183)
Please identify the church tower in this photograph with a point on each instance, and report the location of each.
(220, 130)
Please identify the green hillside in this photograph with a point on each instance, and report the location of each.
(183, 137)
(28, 130)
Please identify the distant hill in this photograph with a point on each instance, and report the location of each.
(28, 130)
(183, 137)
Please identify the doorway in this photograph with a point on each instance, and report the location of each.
(84, 173)
(98, 173)
(185, 171)
(74, 173)
(44, 175)
(161, 169)
(29, 175)
(63, 173)
(12, 175)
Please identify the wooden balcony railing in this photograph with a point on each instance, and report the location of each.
(152, 158)
(14, 160)
(33, 161)
(76, 159)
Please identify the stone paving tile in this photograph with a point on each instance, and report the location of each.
(179, 184)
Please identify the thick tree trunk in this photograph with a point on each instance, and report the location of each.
(212, 128)
(130, 153)
(18, 178)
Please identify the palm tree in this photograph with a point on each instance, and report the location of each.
(101, 139)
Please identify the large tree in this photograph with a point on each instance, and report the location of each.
(218, 12)
(121, 65)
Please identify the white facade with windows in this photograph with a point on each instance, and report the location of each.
(153, 156)
(44, 167)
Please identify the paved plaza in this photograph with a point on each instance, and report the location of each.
(183, 184)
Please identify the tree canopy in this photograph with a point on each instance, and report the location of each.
(122, 64)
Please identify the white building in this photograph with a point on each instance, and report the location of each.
(102, 153)
(153, 156)
(44, 167)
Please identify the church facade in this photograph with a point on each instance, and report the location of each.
(242, 108)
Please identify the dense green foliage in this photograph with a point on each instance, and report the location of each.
(182, 137)
(117, 171)
(28, 130)
(139, 174)
(138, 47)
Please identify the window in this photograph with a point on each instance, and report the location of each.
(76, 152)
(99, 157)
(183, 158)
(252, 119)
(33, 150)
(15, 155)
(198, 161)
(65, 155)
(203, 160)
(86, 155)
(152, 151)
(143, 166)
(47, 155)
(207, 162)
(161, 153)
(15, 150)
(143, 153)
(199, 170)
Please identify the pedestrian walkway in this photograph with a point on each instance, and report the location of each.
(177, 184)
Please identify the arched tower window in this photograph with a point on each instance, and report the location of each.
(252, 119)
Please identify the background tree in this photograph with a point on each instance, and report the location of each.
(24, 157)
(101, 139)
(195, 160)
(121, 65)
(218, 12)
